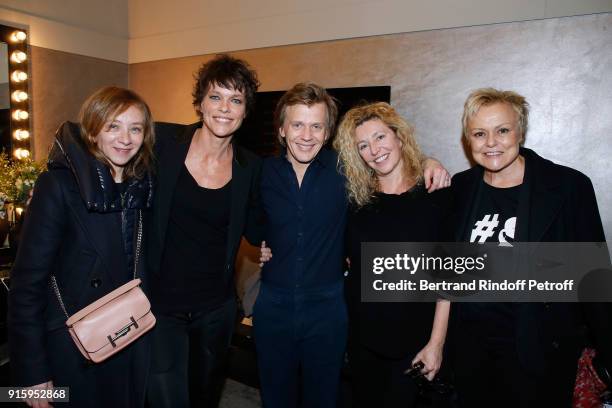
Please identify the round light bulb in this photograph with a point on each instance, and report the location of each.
(18, 56)
(20, 114)
(18, 36)
(21, 153)
(21, 134)
(19, 96)
(19, 76)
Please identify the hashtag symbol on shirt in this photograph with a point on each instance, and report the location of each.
(485, 228)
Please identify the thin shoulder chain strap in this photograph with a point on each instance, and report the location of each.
(138, 242)
(58, 295)
(136, 257)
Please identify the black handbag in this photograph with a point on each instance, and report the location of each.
(437, 393)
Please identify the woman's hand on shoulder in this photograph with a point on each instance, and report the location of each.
(265, 254)
(435, 175)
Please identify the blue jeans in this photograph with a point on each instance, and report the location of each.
(300, 339)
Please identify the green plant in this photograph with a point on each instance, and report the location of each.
(17, 178)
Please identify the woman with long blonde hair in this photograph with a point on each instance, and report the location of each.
(382, 164)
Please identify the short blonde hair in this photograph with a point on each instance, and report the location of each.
(489, 96)
(362, 182)
(104, 105)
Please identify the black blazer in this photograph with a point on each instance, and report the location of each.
(246, 213)
(83, 248)
(556, 204)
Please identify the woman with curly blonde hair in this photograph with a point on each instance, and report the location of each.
(382, 163)
(362, 179)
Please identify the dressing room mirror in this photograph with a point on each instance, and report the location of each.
(5, 100)
(15, 114)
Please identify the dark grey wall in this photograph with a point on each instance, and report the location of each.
(563, 66)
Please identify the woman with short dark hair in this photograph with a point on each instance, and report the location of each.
(207, 198)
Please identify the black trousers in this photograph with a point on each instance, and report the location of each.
(377, 381)
(189, 357)
(489, 373)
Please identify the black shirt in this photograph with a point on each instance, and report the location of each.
(496, 216)
(129, 222)
(395, 330)
(495, 221)
(306, 223)
(194, 277)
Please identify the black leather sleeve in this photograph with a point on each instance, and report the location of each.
(256, 220)
(165, 133)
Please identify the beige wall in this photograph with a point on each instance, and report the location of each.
(107, 17)
(148, 30)
(160, 29)
(60, 82)
(85, 27)
(563, 66)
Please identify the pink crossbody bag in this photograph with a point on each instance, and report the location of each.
(114, 321)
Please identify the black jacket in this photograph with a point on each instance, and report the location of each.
(73, 230)
(246, 214)
(556, 204)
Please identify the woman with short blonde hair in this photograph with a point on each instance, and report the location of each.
(527, 352)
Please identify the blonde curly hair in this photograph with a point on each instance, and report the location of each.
(362, 182)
